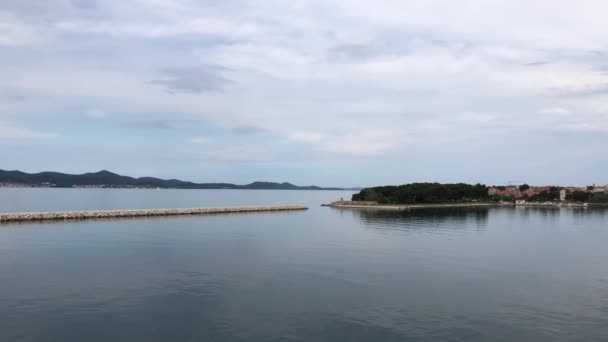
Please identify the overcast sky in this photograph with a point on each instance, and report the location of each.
(326, 92)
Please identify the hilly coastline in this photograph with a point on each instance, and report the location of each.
(107, 179)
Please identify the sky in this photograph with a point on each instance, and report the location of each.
(331, 92)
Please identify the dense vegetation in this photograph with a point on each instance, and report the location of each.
(109, 179)
(581, 196)
(546, 196)
(576, 196)
(424, 193)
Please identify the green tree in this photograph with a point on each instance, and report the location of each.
(578, 196)
(424, 193)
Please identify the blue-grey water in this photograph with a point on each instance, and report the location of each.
(499, 274)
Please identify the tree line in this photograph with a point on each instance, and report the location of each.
(424, 193)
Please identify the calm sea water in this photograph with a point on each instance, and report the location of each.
(498, 274)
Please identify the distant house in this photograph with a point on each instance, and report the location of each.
(493, 191)
(529, 192)
(514, 192)
(509, 191)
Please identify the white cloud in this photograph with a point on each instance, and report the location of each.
(14, 32)
(229, 151)
(11, 132)
(96, 113)
(306, 137)
(169, 29)
(362, 144)
(575, 116)
(333, 77)
(235, 154)
(359, 147)
(200, 141)
(556, 111)
(533, 24)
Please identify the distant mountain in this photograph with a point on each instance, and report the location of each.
(107, 179)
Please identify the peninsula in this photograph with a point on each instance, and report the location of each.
(433, 195)
(107, 179)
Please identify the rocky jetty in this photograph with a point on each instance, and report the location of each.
(98, 214)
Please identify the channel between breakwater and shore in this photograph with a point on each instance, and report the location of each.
(100, 214)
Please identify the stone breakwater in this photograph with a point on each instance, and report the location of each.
(99, 214)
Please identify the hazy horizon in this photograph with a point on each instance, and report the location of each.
(333, 93)
(350, 187)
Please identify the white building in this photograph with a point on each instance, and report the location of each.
(562, 195)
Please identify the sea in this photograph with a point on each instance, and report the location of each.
(325, 274)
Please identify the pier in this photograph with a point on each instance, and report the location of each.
(100, 214)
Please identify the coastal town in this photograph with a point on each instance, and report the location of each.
(549, 195)
(460, 194)
(523, 191)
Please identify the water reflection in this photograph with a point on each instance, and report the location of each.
(449, 274)
(599, 212)
(554, 214)
(429, 217)
(467, 218)
(525, 213)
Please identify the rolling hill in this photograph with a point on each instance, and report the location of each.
(107, 179)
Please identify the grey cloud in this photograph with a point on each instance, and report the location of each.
(194, 80)
(536, 63)
(396, 43)
(152, 124)
(248, 129)
(353, 52)
(603, 69)
(591, 90)
(85, 4)
(13, 95)
(42, 8)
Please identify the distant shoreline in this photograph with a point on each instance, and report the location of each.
(106, 179)
(159, 188)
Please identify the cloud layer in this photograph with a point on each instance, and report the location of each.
(332, 92)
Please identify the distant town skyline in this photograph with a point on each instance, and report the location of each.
(333, 93)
